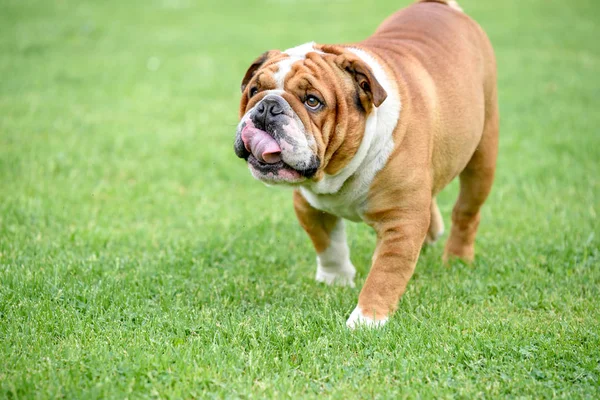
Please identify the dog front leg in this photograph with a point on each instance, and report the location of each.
(328, 236)
(400, 234)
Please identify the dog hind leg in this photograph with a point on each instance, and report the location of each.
(475, 185)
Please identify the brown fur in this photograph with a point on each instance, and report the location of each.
(448, 126)
(444, 67)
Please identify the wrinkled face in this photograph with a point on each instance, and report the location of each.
(303, 112)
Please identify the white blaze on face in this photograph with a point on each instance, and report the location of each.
(301, 147)
(295, 54)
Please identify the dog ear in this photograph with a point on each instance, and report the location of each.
(256, 65)
(363, 75)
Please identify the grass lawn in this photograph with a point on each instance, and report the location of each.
(138, 258)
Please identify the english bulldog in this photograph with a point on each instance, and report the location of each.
(372, 131)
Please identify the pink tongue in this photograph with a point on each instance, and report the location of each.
(261, 145)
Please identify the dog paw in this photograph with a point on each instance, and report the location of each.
(343, 276)
(436, 225)
(358, 320)
(456, 249)
(434, 234)
(432, 237)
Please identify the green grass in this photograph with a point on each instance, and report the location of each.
(139, 259)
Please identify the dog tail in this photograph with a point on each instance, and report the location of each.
(449, 3)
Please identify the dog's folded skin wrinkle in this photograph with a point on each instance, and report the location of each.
(400, 115)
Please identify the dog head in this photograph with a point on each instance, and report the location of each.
(303, 112)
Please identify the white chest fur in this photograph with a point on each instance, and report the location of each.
(349, 202)
(345, 193)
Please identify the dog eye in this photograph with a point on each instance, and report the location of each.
(312, 102)
(253, 91)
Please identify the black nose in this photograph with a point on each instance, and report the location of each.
(269, 108)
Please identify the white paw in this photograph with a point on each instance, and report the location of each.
(357, 319)
(339, 275)
(432, 238)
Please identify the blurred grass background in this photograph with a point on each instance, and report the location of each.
(138, 257)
